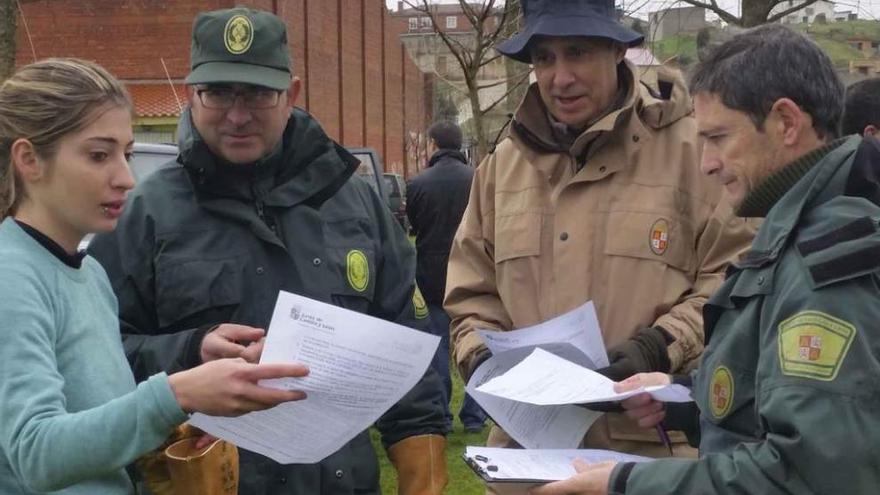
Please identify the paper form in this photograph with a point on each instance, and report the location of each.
(359, 366)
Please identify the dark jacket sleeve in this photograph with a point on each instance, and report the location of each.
(127, 256)
(398, 299)
(413, 207)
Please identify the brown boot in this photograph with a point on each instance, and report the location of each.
(421, 465)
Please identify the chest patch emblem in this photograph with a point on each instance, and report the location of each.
(813, 345)
(659, 237)
(721, 390)
(419, 305)
(238, 34)
(358, 270)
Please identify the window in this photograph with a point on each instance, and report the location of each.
(810, 11)
(441, 64)
(451, 22)
(425, 22)
(413, 23)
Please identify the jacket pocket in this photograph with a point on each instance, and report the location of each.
(517, 235)
(650, 236)
(192, 286)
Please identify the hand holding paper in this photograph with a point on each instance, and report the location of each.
(545, 379)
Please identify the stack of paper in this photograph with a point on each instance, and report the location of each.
(574, 335)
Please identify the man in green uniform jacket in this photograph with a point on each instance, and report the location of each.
(263, 200)
(787, 391)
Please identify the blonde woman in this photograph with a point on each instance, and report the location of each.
(71, 416)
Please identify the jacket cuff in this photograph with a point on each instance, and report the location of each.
(619, 477)
(193, 355)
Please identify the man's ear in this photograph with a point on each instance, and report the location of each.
(293, 91)
(25, 161)
(789, 120)
(190, 94)
(870, 130)
(619, 52)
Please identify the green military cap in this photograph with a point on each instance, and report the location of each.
(240, 46)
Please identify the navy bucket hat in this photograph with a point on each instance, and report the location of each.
(595, 18)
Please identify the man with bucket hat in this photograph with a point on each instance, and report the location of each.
(595, 194)
(262, 200)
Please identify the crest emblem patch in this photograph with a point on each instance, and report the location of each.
(238, 34)
(358, 270)
(813, 345)
(721, 390)
(659, 237)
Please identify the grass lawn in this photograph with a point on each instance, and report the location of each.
(462, 481)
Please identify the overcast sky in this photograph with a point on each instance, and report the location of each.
(867, 9)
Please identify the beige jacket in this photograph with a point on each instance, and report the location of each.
(638, 230)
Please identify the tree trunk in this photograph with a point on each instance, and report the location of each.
(754, 12)
(477, 116)
(8, 17)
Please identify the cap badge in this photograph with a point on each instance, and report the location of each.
(238, 34)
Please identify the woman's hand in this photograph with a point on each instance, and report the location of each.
(591, 479)
(228, 387)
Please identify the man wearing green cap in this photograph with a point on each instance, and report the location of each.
(263, 200)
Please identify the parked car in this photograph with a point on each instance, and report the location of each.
(371, 169)
(397, 198)
(149, 157)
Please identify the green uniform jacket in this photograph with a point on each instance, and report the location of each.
(788, 388)
(197, 247)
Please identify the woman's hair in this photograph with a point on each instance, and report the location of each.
(45, 101)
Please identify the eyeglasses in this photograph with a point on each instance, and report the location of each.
(224, 98)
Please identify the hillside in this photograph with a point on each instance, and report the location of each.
(832, 37)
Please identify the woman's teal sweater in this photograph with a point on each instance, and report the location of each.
(71, 417)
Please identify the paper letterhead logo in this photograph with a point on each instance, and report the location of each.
(295, 313)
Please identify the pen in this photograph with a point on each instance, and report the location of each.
(664, 437)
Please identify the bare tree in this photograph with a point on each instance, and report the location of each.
(489, 22)
(8, 27)
(754, 12)
(8, 21)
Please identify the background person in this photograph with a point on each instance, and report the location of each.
(861, 113)
(72, 415)
(435, 202)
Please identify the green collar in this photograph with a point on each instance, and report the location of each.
(758, 202)
(825, 178)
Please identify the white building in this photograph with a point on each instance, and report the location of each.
(807, 15)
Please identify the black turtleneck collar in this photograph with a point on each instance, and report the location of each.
(71, 260)
(443, 153)
(758, 201)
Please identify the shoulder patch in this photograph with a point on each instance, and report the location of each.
(862, 227)
(813, 345)
(357, 270)
(419, 305)
(846, 252)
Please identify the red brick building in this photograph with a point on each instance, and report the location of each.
(359, 80)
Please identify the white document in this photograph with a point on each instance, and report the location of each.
(546, 379)
(574, 335)
(359, 366)
(543, 465)
(533, 427)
